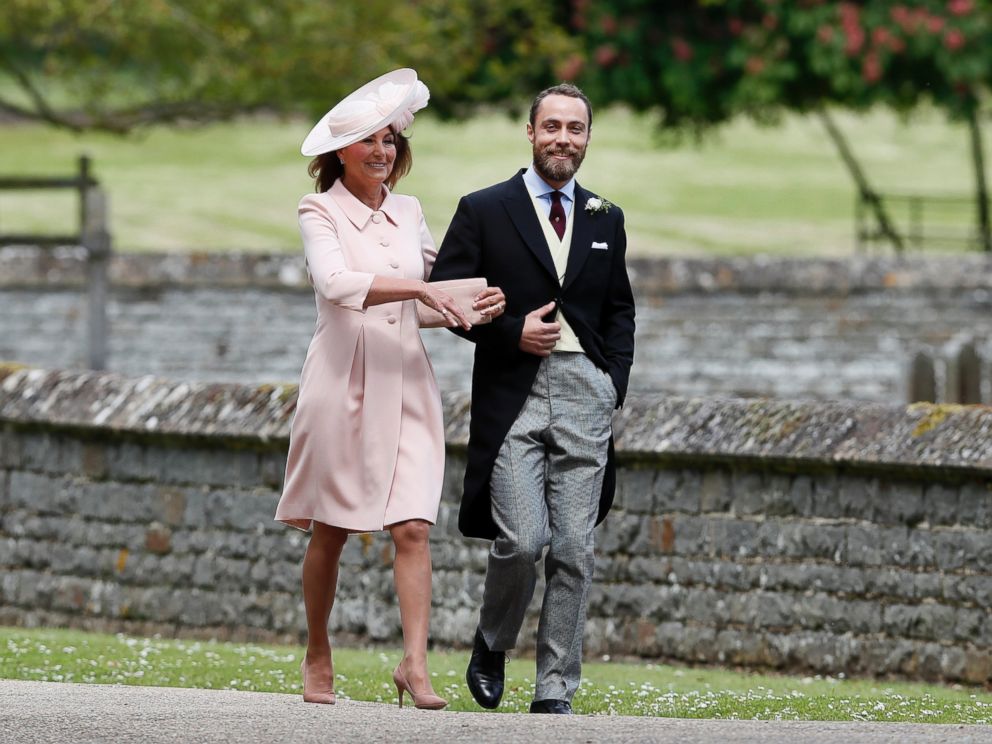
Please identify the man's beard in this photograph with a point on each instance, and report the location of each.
(558, 170)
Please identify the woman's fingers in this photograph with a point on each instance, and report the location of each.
(491, 301)
(450, 310)
(487, 297)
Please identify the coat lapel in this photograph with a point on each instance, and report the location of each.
(521, 210)
(578, 251)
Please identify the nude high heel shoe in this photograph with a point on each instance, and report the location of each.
(424, 701)
(311, 691)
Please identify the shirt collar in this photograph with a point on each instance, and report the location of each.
(538, 187)
(356, 210)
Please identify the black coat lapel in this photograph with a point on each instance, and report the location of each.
(520, 207)
(578, 251)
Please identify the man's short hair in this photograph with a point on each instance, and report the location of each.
(563, 89)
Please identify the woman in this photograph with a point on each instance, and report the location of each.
(366, 447)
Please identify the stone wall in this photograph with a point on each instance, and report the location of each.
(825, 329)
(819, 537)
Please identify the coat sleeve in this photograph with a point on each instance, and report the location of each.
(326, 266)
(428, 249)
(618, 317)
(461, 257)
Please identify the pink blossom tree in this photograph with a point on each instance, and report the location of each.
(699, 63)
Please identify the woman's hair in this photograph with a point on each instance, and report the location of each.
(325, 169)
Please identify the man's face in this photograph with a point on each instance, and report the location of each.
(559, 135)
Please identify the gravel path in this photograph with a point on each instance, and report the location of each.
(56, 712)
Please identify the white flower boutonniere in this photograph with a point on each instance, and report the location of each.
(595, 205)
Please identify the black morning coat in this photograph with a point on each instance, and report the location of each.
(495, 233)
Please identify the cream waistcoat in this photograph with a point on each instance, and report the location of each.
(559, 254)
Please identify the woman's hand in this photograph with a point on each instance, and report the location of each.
(445, 304)
(490, 302)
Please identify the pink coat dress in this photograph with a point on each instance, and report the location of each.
(366, 446)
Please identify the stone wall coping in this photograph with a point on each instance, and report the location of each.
(800, 435)
(655, 277)
(28, 266)
(114, 404)
(921, 436)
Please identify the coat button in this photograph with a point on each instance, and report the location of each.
(391, 319)
(377, 217)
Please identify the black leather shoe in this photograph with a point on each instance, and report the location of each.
(562, 707)
(485, 673)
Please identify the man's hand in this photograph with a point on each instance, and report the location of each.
(538, 337)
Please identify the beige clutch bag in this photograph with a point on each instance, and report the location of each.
(463, 291)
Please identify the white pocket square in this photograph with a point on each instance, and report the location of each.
(600, 246)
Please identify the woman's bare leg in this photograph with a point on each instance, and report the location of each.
(320, 580)
(412, 574)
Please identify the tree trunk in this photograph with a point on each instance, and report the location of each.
(868, 194)
(981, 187)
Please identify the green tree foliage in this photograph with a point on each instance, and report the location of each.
(702, 62)
(120, 64)
(699, 63)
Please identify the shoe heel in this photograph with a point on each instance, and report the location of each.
(421, 701)
(309, 696)
(400, 686)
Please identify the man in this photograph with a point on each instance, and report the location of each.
(547, 376)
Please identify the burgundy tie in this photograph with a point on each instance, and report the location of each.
(557, 214)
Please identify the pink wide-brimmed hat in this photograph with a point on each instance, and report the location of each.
(390, 99)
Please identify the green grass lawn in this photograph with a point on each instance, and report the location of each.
(746, 190)
(362, 674)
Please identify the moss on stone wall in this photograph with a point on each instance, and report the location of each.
(934, 414)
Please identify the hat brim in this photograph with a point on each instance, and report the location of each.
(321, 140)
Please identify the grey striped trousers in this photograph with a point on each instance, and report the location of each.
(545, 490)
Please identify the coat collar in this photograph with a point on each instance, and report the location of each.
(357, 212)
(521, 211)
(582, 235)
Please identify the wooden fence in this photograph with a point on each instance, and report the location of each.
(93, 235)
